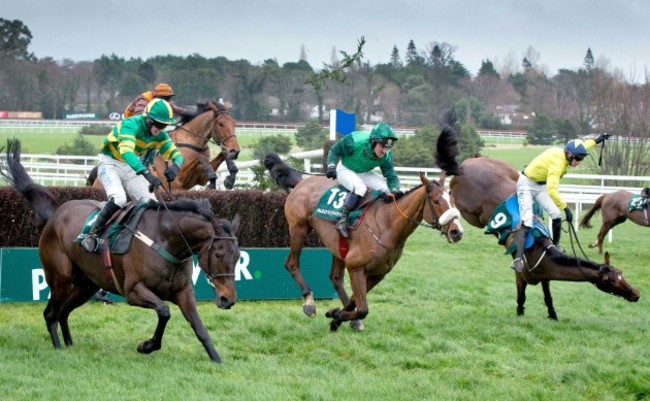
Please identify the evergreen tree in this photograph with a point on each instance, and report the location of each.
(589, 60)
(487, 70)
(395, 60)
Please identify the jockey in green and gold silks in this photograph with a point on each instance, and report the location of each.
(120, 170)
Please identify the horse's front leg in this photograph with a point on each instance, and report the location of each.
(357, 307)
(187, 304)
(337, 274)
(297, 235)
(141, 296)
(229, 182)
(521, 293)
(548, 299)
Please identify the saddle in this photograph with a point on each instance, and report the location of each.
(331, 203)
(121, 228)
(505, 219)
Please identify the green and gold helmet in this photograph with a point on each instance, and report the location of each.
(383, 133)
(159, 110)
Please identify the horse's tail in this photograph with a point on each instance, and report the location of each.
(584, 222)
(447, 146)
(281, 174)
(92, 176)
(41, 200)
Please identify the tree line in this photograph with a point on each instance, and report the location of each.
(414, 88)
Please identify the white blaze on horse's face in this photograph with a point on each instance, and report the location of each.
(451, 214)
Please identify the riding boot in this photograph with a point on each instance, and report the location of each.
(342, 224)
(519, 238)
(89, 243)
(556, 225)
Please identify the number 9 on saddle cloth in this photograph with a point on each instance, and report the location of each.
(505, 219)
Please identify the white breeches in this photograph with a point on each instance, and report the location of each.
(360, 182)
(529, 191)
(119, 179)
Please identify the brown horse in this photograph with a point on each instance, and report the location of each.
(373, 249)
(479, 186)
(614, 209)
(156, 268)
(212, 121)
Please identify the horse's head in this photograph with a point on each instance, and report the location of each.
(440, 210)
(223, 130)
(218, 259)
(613, 282)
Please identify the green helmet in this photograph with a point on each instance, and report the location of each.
(384, 134)
(159, 110)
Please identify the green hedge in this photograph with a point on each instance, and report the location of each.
(262, 226)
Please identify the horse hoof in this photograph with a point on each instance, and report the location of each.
(332, 313)
(147, 347)
(309, 310)
(334, 325)
(357, 325)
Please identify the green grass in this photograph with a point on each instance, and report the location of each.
(442, 326)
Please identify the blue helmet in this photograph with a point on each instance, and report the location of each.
(576, 147)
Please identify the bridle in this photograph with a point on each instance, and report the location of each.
(212, 276)
(436, 223)
(207, 137)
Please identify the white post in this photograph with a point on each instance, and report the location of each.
(333, 124)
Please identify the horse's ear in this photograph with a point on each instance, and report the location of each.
(235, 223)
(227, 104)
(607, 258)
(424, 180)
(443, 178)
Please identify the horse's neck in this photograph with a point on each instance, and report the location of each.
(575, 272)
(404, 214)
(196, 132)
(185, 229)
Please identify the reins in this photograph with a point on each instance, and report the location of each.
(436, 225)
(206, 137)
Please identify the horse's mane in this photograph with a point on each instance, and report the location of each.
(562, 259)
(447, 146)
(414, 188)
(202, 107)
(198, 206)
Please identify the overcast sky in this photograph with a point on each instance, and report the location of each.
(560, 31)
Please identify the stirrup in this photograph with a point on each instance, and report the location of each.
(518, 265)
(90, 243)
(342, 228)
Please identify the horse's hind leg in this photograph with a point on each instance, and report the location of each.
(297, 235)
(548, 299)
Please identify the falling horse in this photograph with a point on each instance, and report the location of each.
(157, 267)
(616, 208)
(479, 186)
(373, 248)
(212, 121)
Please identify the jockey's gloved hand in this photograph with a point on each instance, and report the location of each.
(569, 215)
(154, 182)
(602, 138)
(397, 193)
(331, 172)
(171, 172)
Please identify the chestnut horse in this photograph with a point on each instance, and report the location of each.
(373, 249)
(614, 209)
(157, 267)
(479, 186)
(212, 121)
